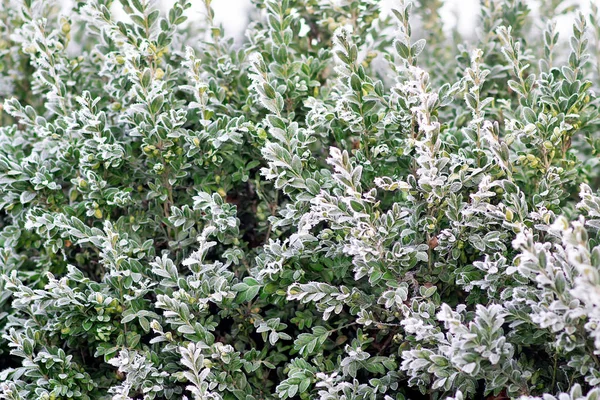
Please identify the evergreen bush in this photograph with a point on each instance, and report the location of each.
(344, 205)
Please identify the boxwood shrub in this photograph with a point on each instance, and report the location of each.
(346, 204)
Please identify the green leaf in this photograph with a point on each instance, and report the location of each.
(27, 197)
(309, 343)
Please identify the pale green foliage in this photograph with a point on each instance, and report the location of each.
(343, 205)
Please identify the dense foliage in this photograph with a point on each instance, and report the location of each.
(345, 205)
